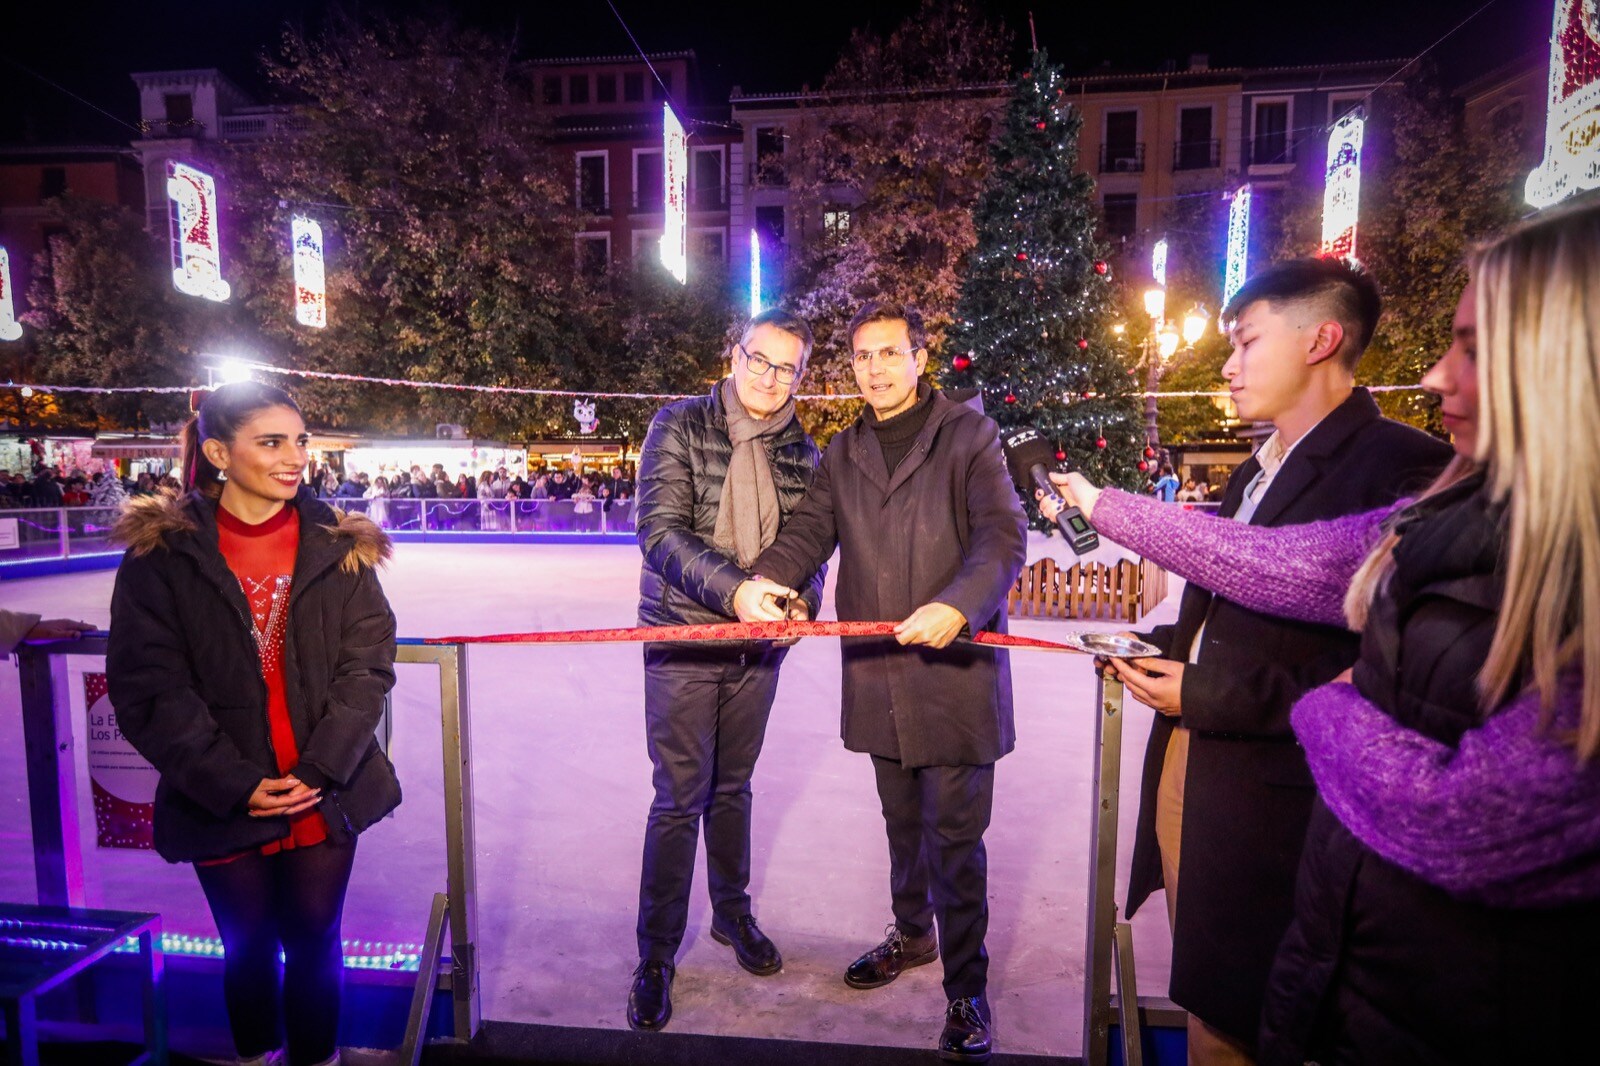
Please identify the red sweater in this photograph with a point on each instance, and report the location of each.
(262, 558)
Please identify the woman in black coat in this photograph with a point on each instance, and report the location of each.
(251, 650)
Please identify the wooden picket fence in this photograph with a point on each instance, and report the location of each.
(1125, 590)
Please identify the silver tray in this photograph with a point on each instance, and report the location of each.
(1112, 646)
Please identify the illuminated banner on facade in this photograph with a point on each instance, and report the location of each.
(1341, 197)
(755, 273)
(196, 250)
(1572, 125)
(675, 165)
(10, 328)
(1158, 262)
(310, 294)
(1238, 243)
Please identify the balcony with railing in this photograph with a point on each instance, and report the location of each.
(1197, 155)
(1272, 151)
(1127, 158)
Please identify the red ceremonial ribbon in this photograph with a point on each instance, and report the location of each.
(737, 631)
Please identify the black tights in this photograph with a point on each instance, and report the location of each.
(292, 901)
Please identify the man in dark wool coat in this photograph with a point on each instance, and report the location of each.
(916, 497)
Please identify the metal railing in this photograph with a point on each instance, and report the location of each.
(1122, 158)
(1196, 155)
(1271, 151)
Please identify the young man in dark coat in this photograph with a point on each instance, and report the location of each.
(916, 497)
(1225, 785)
(718, 477)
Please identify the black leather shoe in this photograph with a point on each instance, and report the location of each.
(966, 1031)
(750, 946)
(883, 963)
(650, 1000)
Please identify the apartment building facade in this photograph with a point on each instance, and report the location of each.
(607, 116)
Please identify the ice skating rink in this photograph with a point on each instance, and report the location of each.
(563, 786)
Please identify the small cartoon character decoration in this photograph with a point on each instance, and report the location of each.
(584, 413)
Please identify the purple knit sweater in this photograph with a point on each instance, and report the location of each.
(1510, 817)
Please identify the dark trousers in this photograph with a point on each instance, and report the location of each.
(292, 900)
(938, 870)
(705, 712)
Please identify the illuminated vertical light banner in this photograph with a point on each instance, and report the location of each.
(310, 292)
(1341, 197)
(10, 328)
(196, 251)
(1158, 262)
(1572, 124)
(755, 273)
(675, 163)
(1238, 243)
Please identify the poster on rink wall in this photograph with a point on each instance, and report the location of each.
(124, 785)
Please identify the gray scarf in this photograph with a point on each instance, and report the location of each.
(747, 515)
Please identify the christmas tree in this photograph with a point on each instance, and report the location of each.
(1033, 322)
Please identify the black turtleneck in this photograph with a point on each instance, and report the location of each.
(897, 434)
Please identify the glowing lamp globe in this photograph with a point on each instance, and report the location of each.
(1167, 341)
(1155, 302)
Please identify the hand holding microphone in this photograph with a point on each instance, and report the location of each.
(1029, 458)
(1072, 490)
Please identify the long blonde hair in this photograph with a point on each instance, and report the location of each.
(1538, 369)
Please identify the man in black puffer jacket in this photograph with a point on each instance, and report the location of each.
(718, 476)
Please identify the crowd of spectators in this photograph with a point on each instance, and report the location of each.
(49, 486)
(494, 495)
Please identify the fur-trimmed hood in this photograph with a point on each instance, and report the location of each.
(146, 523)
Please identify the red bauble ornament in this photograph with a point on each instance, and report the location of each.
(1149, 453)
(1143, 466)
(1060, 455)
(1039, 125)
(1022, 256)
(1101, 266)
(1101, 444)
(961, 362)
(1083, 344)
(1011, 397)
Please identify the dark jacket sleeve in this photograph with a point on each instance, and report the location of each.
(664, 516)
(363, 675)
(999, 546)
(1161, 637)
(158, 710)
(807, 540)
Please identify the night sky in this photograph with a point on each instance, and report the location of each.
(90, 47)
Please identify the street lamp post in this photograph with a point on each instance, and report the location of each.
(1160, 345)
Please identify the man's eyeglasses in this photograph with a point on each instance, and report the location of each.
(891, 358)
(759, 365)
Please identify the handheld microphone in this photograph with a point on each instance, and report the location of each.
(1028, 458)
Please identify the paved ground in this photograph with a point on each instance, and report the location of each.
(563, 787)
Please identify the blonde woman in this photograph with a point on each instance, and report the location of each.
(1448, 907)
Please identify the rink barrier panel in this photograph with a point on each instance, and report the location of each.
(53, 799)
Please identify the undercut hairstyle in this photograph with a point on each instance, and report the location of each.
(219, 418)
(890, 312)
(780, 319)
(1340, 289)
